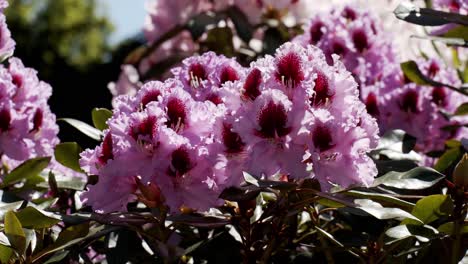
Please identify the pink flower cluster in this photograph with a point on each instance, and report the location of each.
(419, 110)
(7, 44)
(27, 126)
(367, 52)
(357, 37)
(291, 115)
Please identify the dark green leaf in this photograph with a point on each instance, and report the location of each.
(14, 231)
(27, 169)
(83, 128)
(462, 110)
(199, 221)
(427, 17)
(239, 194)
(220, 41)
(68, 154)
(100, 116)
(385, 166)
(415, 179)
(72, 236)
(243, 28)
(30, 217)
(412, 72)
(408, 143)
(431, 208)
(273, 38)
(198, 24)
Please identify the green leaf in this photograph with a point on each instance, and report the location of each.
(420, 232)
(250, 179)
(447, 228)
(26, 170)
(57, 257)
(431, 208)
(100, 116)
(74, 183)
(83, 128)
(5, 207)
(31, 217)
(415, 179)
(393, 144)
(72, 236)
(427, 17)
(462, 110)
(385, 198)
(5, 254)
(383, 213)
(68, 154)
(14, 231)
(457, 32)
(330, 203)
(449, 158)
(412, 72)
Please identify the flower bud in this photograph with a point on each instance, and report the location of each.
(460, 174)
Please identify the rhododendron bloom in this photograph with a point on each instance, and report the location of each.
(358, 38)
(419, 110)
(175, 136)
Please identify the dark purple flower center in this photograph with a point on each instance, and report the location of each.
(176, 114)
(316, 32)
(289, 70)
(232, 141)
(197, 74)
(17, 80)
(338, 48)
(409, 102)
(439, 96)
(37, 119)
(323, 93)
(5, 119)
(214, 98)
(106, 149)
(150, 96)
(349, 13)
(146, 128)
(252, 84)
(433, 69)
(180, 161)
(322, 138)
(228, 74)
(360, 40)
(272, 120)
(454, 6)
(372, 105)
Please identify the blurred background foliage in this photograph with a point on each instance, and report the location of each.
(67, 42)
